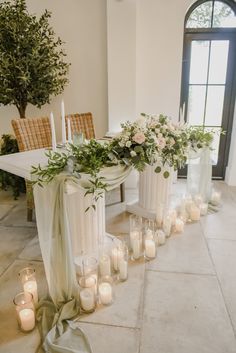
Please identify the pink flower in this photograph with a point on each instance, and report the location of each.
(161, 142)
(139, 138)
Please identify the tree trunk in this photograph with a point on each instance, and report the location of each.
(21, 110)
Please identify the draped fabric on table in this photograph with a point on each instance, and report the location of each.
(53, 223)
(200, 173)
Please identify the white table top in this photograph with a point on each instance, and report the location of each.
(21, 163)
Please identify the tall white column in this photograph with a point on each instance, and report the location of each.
(154, 189)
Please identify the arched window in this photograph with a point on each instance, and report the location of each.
(209, 72)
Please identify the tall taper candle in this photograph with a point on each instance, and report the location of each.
(54, 142)
(69, 131)
(63, 122)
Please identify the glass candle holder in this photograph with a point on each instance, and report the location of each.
(25, 311)
(106, 290)
(195, 213)
(78, 138)
(149, 247)
(123, 263)
(215, 198)
(204, 209)
(87, 293)
(104, 264)
(161, 237)
(167, 224)
(159, 214)
(198, 199)
(136, 241)
(149, 228)
(117, 253)
(179, 225)
(28, 279)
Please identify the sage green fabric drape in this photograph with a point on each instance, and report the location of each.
(59, 333)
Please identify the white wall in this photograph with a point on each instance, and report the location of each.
(230, 176)
(121, 40)
(82, 25)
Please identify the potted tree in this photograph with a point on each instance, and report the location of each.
(32, 68)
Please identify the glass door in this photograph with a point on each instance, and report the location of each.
(208, 89)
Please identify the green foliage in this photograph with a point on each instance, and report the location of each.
(8, 180)
(32, 67)
(199, 137)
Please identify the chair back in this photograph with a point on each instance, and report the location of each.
(82, 123)
(32, 134)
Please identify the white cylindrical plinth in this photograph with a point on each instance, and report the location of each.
(154, 189)
(87, 229)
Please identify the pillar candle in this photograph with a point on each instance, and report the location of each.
(150, 248)
(167, 224)
(195, 213)
(179, 225)
(161, 237)
(69, 131)
(87, 299)
(105, 265)
(116, 254)
(105, 293)
(215, 198)
(27, 319)
(204, 209)
(123, 269)
(137, 248)
(31, 287)
(53, 133)
(63, 122)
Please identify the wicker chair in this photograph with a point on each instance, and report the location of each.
(32, 134)
(84, 123)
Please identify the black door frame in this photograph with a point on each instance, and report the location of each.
(230, 88)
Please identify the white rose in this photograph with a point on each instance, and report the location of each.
(128, 144)
(133, 153)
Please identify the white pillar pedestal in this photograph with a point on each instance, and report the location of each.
(87, 229)
(153, 190)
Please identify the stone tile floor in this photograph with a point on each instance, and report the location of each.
(183, 302)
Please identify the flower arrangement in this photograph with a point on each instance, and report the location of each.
(149, 139)
(199, 137)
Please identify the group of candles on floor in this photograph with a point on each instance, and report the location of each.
(96, 278)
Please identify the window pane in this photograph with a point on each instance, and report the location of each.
(218, 61)
(214, 106)
(196, 104)
(199, 62)
(223, 15)
(201, 16)
(215, 144)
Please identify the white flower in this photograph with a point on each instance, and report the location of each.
(141, 121)
(128, 144)
(139, 138)
(133, 153)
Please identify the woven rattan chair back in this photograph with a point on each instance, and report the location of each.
(32, 134)
(82, 123)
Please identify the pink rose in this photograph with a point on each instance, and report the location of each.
(139, 138)
(161, 142)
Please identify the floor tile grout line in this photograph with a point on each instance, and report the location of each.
(219, 284)
(104, 324)
(18, 259)
(209, 238)
(183, 273)
(7, 213)
(142, 300)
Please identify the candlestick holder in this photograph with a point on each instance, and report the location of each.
(28, 279)
(25, 311)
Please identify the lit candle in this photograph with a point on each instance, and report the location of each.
(116, 255)
(204, 209)
(159, 215)
(123, 269)
(179, 225)
(53, 133)
(215, 198)
(161, 237)
(27, 319)
(63, 122)
(167, 224)
(137, 247)
(31, 287)
(105, 293)
(87, 299)
(105, 265)
(150, 248)
(133, 235)
(198, 199)
(195, 213)
(69, 131)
